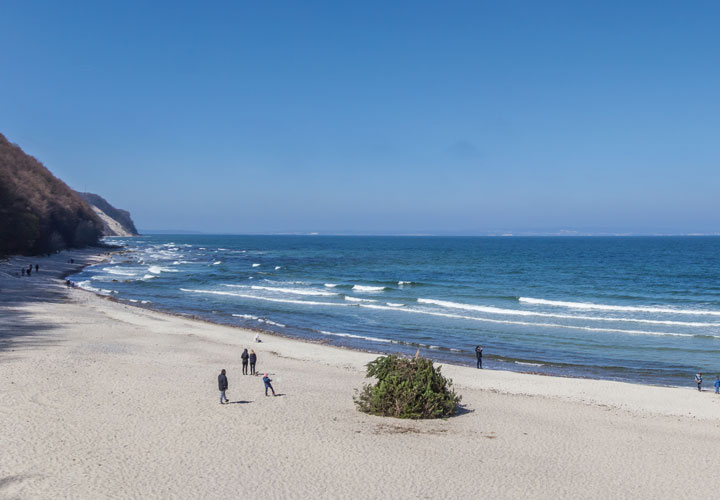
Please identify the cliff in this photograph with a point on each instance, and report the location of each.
(39, 213)
(116, 222)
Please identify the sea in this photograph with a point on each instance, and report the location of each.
(637, 309)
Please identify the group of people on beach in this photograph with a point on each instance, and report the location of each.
(29, 270)
(248, 358)
(699, 381)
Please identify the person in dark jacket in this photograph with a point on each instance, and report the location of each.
(478, 355)
(268, 385)
(223, 385)
(253, 360)
(244, 356)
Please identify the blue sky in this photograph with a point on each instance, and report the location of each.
(399, 117)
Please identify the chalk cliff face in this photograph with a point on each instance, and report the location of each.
(116, 222)
(39, 213)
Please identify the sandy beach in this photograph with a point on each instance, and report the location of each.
(104, 400)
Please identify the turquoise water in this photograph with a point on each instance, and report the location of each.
(638, 309)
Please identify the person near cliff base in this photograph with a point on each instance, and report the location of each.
(223, 385)
(478, 355)
(244, 356)
(268, 385)
(698, 380)
(253, 360)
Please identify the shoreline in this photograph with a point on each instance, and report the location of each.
(102, 399)
(509, 362)
(499, 378)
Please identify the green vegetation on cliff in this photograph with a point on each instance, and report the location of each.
(39, 213)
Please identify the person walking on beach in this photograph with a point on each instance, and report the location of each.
(717, 384)
(37, 268)
(478, 355)
(698, 380)
(268, 385)
(223, 385)
(253, 360)
(244, 356)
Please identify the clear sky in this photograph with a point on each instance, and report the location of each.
(400, 117)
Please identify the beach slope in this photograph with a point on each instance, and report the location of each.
(104, 400)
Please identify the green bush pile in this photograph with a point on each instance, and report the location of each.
(407, 388)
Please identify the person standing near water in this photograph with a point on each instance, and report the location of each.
(244, 356)
(223, 385)
(478, 355)
(253, 360)
(717, 384)
(698, 380)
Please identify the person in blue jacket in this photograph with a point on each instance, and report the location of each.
(717, 384)
(268, 385)
(223, 385)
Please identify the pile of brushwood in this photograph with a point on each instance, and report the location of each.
(407, 388)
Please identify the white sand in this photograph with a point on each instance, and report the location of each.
(103, 400)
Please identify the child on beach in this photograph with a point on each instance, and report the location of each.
(268, 385)
(717, 384)
(223, 385)
(698, 380)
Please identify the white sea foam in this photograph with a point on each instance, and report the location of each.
(330, 285)
(606, 307)
(256, 265)
(217, 263)
(442, 315)
(159, 269)
(528, 364)
(119, 271)
(148, 277)
(403, 283)
(85, 285)
(260, 320)
(395, 304)
(293, 291)
(145, 302)
(246, 316)
(273, 323)
(528, 323)
(350, 335)
(358, 299)
(267, 299)
(517, 312)
(368, 289)
(277, 268)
